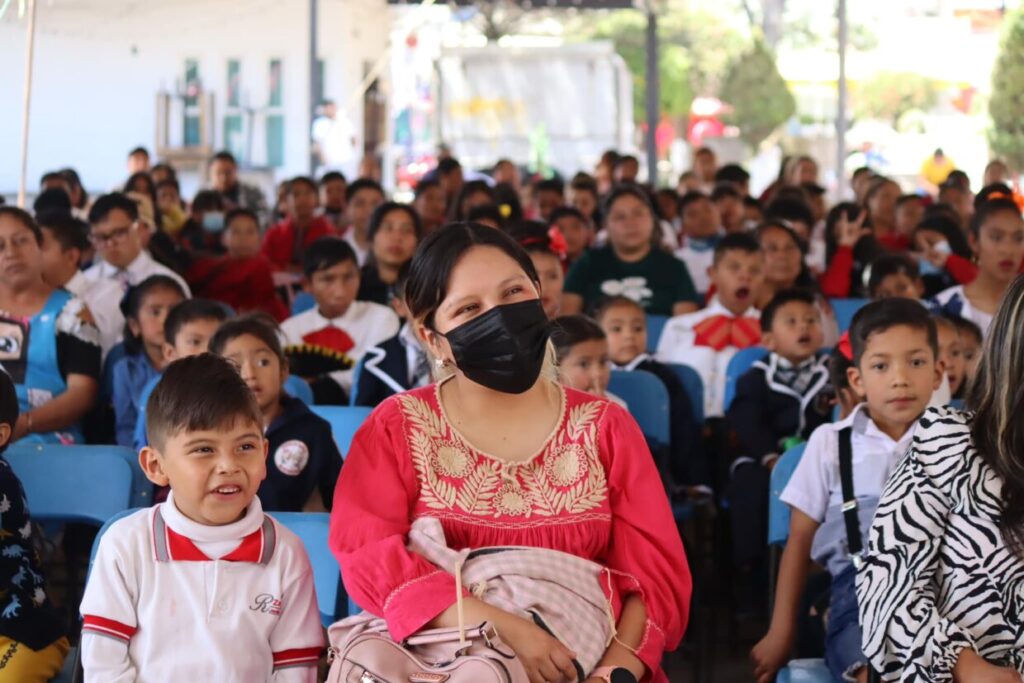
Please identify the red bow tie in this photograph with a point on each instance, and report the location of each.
(720, 331)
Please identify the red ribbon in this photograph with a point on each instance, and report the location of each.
(720, 331)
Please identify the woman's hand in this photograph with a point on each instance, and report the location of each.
(545, 659)
(848, 232)
(971, 668)
(770, 655)
(937, 257)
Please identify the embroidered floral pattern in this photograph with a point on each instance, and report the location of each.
(450, 459)
(566, 478)
(565, 466)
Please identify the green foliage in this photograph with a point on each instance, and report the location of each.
(889, 95)
(1006, 106)
(694, 48)
(760, 99)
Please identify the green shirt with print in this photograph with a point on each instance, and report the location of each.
(656, 282)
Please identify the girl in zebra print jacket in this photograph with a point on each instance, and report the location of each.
(941, 592)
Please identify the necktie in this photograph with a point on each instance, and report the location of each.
(720, 331)
(124, 278)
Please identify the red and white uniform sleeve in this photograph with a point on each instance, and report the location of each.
(297, 640)
(109, 615)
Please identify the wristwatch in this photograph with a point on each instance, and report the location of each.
(614, 674)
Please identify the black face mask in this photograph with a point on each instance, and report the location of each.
(503, 349)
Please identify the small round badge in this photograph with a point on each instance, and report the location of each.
(291, 457)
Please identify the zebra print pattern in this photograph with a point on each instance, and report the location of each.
(937, 576)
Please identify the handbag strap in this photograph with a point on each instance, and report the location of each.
(458, 602)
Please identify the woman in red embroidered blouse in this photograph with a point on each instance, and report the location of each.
(506, 458)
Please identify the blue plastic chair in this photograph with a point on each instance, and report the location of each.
(797, 670)
(804, 671)
(357, 373)
(778, 512)
(312, 528)
(142, 488)
(845, 309)
(345, 421)
(647, 399)
(302, 302)
(61, 485)
(655, 326)
(299, 388)
(694, 386)
(739, 364)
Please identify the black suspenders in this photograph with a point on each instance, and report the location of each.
(853, 539)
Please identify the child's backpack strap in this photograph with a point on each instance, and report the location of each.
(853, 539)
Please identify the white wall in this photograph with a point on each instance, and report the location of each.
(100, 63)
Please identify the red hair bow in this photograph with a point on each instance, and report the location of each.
(845, 347)
(558, 243)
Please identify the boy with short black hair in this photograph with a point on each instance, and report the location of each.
(32, 641)
(286, 241)
(625, 326)
(333, 186)
(204, 586)
(548, 195)
(779, 401)
(894, 275)
(835, 489)
(708, 339)
(188, 329)
(338, 324)
(701, 229)
(362, 197)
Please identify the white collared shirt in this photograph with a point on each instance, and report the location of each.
(169, 599)
(676, 345)
(816, 487)
(138, 270)
(103, 298)
(365, 322)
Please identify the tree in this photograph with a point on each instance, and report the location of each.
(1006, 106)
(694, 48)
(759, 97)
(890, 94)
(768, 20)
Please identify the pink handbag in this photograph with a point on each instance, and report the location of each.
(447, 655)
(443, 655)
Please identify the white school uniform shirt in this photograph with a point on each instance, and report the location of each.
(361, 252)
(366, 323)
(103, 297)
(955, 301)
(697, 263)
(676, 346)
(138, 270)
(816, 487)
(169, 599)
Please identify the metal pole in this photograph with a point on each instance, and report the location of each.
(26, 100)
(841, 111)
(314, 82)
(652, 94)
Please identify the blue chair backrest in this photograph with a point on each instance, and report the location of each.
(117, 352)
(357, 374)
(302, 302)
(739, 364)
(345, 421)
(647, 399)
(845, 309)
(694, 386)
(63, 486)
(312, 529)
(778, 512)
(141, 489)
(655, 326)
(299, 388)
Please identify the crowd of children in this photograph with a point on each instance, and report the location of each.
(98, 317)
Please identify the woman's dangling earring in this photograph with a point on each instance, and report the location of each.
(440, 363)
